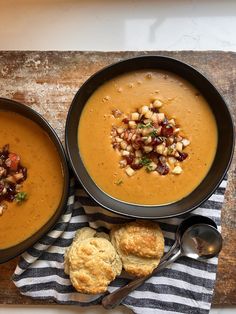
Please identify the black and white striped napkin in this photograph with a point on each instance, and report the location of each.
(184, 287)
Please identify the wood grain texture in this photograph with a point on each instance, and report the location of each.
(47, 82)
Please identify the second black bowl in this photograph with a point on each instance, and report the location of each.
(27, 112)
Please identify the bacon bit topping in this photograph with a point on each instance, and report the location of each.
(167, 130)
(147, 138)
(12, 174)
(162, 169)
(182, 156)
(125, 120)
(116, 113)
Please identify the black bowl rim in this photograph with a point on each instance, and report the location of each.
(24, 245)
(70, 157)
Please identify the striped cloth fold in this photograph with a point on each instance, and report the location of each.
(183, 287)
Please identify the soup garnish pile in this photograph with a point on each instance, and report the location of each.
(147, 138)
(12, 175)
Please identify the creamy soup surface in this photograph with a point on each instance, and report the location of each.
(128, 92)
(44, 183)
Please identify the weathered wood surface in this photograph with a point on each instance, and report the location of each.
(47, 82)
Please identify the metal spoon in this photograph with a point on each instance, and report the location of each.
(199, 241)
(185, 224)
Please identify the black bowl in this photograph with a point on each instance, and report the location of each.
(224, 149)
(10, 105)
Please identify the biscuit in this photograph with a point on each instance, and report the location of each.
(80, 235)
(84, 233)
(92, 262)
(140, 245)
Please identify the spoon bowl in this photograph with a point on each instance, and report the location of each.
(185, 224)
(201, 241)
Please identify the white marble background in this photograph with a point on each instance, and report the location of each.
(115, 25)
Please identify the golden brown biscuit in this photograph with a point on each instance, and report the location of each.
(80, 235)
(92, 262)
(84, 233)
(140, 245)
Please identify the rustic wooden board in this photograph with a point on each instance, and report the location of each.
(47, 81)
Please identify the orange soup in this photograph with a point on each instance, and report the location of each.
(126, 94)
(44, 182)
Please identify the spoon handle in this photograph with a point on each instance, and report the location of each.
(170, 252)
(114, 299)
